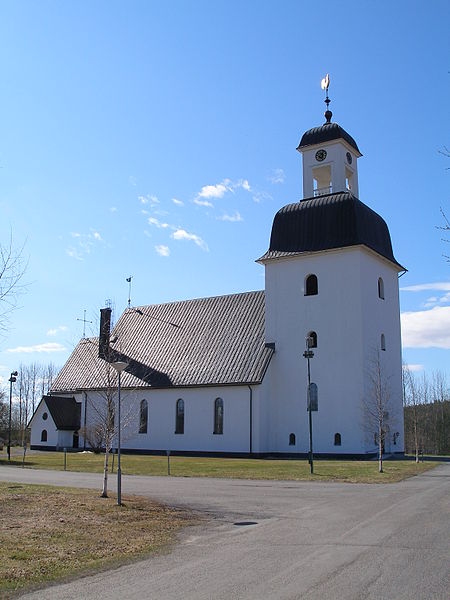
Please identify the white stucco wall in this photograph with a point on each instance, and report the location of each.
(348, 317)
(38, 424)
(198, 422)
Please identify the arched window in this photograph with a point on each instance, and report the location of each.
(111, 417)
(218, 416)
(337, 439)
(383, 342)
(179, 416)
(143, 417)
(44, 435)
(311, 286)
(292, 439)
(45, 416)
(380, 288)
(313, 336)
(314, 396)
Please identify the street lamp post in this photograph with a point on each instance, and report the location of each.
(119, 366)
(11, 380)
(308, 354)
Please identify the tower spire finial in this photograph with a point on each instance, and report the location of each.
(324, 84)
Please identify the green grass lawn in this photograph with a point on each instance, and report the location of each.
(353, 471)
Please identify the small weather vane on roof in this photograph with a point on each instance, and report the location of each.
(324, 84)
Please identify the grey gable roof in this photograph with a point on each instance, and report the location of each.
(208, 341)
(66, 412)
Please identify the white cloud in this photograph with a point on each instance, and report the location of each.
(85, 242)
(443, 286)
(260, 196)
(3, 368)
(178, 202)
(244, 184)
(414, 368)
(132, 180)
(213, 191)
(231, 218)
(47, 347)
(157, 223)
(203, 203)
(426, 328)
(277, 176)
(56, 330)
(73, 253)
(162, 250)
(181, 234)
(148, 199)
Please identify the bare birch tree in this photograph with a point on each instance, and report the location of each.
(412, 399)
(12, 269)
(377, 419)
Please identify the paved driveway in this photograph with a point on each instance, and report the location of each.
(309, 540)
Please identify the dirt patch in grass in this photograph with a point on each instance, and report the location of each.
(48, 533)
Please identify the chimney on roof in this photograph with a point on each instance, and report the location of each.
(105, 329)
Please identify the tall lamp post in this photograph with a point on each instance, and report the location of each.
(119, 366)
(308, 354)
(11, 380)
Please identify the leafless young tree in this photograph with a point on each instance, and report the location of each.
(12, 269)
(412, 398)
(377, 419)
(102, 431)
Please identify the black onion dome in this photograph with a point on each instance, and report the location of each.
(331, 221)
(326, 133)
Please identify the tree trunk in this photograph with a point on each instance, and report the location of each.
(105, 474)
(380, 447)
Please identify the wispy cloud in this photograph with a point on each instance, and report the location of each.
(113, 209)
(443, 286)
(218, 190)
(56, 330)
(261, 196)
(201, 202)
(162, 250)
(157, 223)
(234, 218)
(178, 202)
(277, 176)
(84, 243)
(181, 234)
(149, 199)
(426, 328)
(132, 180)
(47, 348)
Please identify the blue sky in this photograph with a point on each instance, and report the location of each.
(157, 139)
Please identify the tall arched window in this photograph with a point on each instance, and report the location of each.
(143, 416)
(44, 435)
(311, 286)
(218, 416)
(337, 439)
(383, 342)
(179, 416)
(313, 336)
(292, 439)
(380, 288)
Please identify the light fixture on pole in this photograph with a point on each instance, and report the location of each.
(11, 380)
(119, 366)
(308, 354)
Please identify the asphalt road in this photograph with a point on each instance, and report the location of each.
(309, 541)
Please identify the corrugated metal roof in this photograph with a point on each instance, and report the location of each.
(66, 412)
(326, 133)
(326, 222)
(208, 341)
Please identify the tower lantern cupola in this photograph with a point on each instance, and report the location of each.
(330, 158)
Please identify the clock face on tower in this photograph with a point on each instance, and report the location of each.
(349, 158)
(321, 155)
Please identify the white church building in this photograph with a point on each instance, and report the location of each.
(226, 375)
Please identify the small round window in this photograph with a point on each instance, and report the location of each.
(45, 416)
